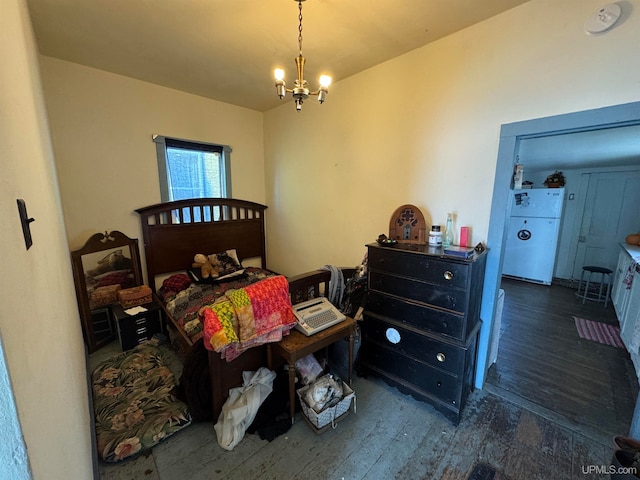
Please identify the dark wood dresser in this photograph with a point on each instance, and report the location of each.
(421, 322)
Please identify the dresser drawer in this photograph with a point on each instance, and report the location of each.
(139, 325)
(421, 267)
(418, 315)
(429, 350)
(443, 297)
(442, 385)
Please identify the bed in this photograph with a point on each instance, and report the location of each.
(174, 232)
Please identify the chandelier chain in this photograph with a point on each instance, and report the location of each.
(300, 27)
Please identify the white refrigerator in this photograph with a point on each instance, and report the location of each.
(532, 235)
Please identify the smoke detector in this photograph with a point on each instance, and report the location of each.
(603, 19)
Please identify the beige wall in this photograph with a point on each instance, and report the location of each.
(39, 322)
(101, 126)
(424, 128)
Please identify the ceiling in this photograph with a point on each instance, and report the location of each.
(227, 49)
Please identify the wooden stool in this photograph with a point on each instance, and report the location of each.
(296, 345)
(599, 296)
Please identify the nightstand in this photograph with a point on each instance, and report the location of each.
(137, 328)
(296, 345)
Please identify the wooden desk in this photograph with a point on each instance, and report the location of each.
(296, 345)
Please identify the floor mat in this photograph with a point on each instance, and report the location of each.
(599, 332)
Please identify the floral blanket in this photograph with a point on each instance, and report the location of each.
(134, 402)
(248, 316)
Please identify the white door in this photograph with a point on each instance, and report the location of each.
(610, 214)
(530, 248)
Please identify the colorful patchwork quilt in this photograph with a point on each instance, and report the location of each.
(185, 305)
(253, 315)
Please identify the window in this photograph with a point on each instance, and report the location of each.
(192, 169)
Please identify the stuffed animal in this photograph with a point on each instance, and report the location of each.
(207, 270)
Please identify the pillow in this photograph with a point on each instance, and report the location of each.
(134, 402)
(176, 283)
(226, 265)
(196, 276)
(225, 262)
(124, 279)
(113, 261)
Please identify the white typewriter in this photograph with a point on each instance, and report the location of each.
(315, 315)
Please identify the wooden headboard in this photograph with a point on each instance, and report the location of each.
(173, 232)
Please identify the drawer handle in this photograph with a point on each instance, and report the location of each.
(441, 357)
(448, 275)
(438, 383)
(393, 335)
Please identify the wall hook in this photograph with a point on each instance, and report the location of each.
(25, 221)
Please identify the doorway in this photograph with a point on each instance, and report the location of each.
(511, 136)
(543, 365)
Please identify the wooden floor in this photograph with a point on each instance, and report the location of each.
(543, 361)
(549, 409)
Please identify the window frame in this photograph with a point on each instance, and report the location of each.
(161, 154)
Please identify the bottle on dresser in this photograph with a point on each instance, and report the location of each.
(447, 239)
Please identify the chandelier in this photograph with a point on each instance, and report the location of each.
(300, 90)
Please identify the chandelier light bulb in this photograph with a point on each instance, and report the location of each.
(325, 80)
(281, 88)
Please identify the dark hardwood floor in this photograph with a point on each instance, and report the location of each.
(544, 364)
(548, 411)
(389, 436)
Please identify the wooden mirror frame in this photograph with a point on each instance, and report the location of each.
(97, 243)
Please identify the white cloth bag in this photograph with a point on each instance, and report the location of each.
(240, 409)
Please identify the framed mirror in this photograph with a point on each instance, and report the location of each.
(105, 264)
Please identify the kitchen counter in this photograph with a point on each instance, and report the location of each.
(632, 250)
(625, 296)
